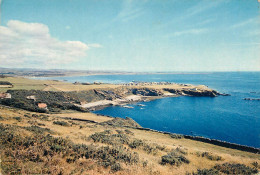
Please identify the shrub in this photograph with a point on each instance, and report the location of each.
(62, 123)
(136, 143)
(210, 156)
(27, 116)
(116, 167)
(176, 136)
(1, 118)
(127, 131)
(180, 150)
(229, 168)
(44, 117)
(174, 158)
(38, 130)
(211, 171)
(19, 119)
(40, 147)
(5, 83)
(120, 131)
(149, 148)
(106, 137)
(256, 164)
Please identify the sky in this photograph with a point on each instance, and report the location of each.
(131, 35)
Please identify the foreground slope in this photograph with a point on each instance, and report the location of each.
(33, 143)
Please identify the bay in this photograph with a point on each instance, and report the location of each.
(227, 118)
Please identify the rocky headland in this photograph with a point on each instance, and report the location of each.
(127, 94)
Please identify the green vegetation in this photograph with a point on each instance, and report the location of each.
(19, 119)
(56, 101)
(112, 139)
(175, 157)
(38, 130)
(209, 156)
(39, 147)
(226, 168)
(229, 168)
(122, 122)
(211, 171)
(62, 123)
(176, 136)
(121, 139)
(5, 83)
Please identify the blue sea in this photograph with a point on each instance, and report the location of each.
(227, 118)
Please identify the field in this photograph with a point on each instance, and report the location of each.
(48, 85)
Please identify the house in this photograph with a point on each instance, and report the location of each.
(5, 95)
(42, 105)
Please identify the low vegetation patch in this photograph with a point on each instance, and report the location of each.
(62, 123)
(5, 83)
(229, 168)
(38, 130)
(209, 156)
(19, 119)
(20, 154)
(121, 138)
(176, 136)
(211, 171)
(122, 122)
(108, 138)
(175, 157)
(55, 101)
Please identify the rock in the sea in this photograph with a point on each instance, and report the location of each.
(257, 99)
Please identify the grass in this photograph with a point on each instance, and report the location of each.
(54, 149)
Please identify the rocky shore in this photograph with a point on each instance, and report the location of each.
(129, 95)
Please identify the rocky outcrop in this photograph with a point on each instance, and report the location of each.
(147, 92)
(107, 94)
(192, 92)
(251, 99)
(203, 93)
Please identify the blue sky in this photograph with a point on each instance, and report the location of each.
(132, 35)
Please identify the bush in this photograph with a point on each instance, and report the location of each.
(256, 165)
(176, 136)
(127, 131)
(38, 130)
(205, 172)
(106, 137)
(136, 143)
(19, 119)
(62, 123)
(39, 148)
(174, 158)
(5, 83)
(116, 167)
(229, 168)
(210, 156)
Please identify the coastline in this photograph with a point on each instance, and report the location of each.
(216, 142)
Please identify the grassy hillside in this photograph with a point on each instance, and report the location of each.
(57, 144)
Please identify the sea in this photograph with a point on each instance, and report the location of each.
(226, 118)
